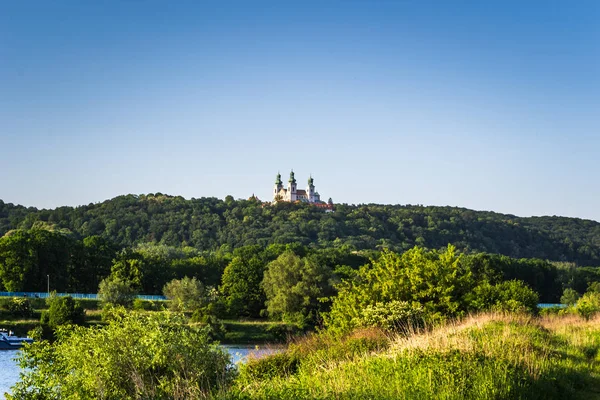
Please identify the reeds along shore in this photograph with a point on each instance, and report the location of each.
(486, 356)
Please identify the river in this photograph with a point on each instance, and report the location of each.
(9, 370)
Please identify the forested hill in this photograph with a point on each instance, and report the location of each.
(209, 223)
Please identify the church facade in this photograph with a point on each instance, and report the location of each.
(292, 194)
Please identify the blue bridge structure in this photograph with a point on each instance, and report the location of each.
(90, 296)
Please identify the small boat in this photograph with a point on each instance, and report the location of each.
(8, 341)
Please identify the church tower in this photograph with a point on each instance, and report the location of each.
(277, 188)
(292, 188)
(310, 190)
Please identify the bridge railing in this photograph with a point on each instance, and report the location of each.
(94, 296)
(551, 305)
(91, 296)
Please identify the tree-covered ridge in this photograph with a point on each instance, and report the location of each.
(209, 223)
(12, 215)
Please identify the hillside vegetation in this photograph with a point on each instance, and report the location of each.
(490, 356)
(484, 356)
(210, 223)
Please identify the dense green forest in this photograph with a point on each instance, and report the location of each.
(228, 245)
(210, 223)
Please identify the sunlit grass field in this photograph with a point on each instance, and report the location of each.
(489, 356)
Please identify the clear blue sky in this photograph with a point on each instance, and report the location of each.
(490, 105)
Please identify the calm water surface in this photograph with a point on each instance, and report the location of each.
(239, 353)
(9, 370)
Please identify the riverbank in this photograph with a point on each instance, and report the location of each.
(488, 356)
(237, 332)
(501, 356)
(238, 353)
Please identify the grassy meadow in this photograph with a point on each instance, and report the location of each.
(489, 356)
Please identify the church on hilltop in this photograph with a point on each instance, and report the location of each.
(292, 194)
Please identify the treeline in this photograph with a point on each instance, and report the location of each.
(28, 258)
(210, 223)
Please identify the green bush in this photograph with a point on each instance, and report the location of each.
(552, 311)
(439, 281)
(569, 297)
(144, 305)
(511, 296)
(215, 326)
(20, 307)
(116, 291)
(112, 312)
(187, 294)
(588, 305)
(35, 303)
(137, 356)
(37, 333)
(217, 308)
(391, 316)
(62, 311)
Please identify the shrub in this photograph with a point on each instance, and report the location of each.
(116, 291)
(516, 295)
(20, 307)
(594, 287)
(552, 311)
(62, 311)
(390, 316)
(588, 305)
(216, 307)
(145, 305)
(215, 326)
(569, 297)
(112, 312)
(439, 281)
(187, 294)
(512, 296)
(37, 333)
(138, 356)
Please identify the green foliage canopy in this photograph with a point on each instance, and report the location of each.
(241, 286)
(569, 297)
(187, 294)
(115, 290)
(62, 311)
(209, 223)
(293, 286)
(438, 284)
